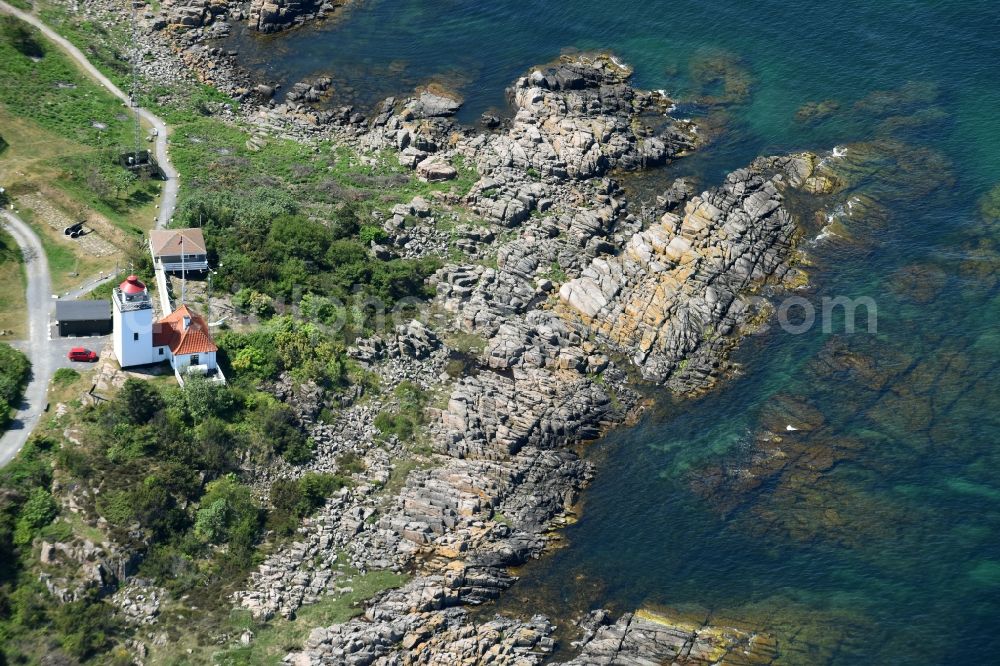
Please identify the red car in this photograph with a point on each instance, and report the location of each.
(81, 354)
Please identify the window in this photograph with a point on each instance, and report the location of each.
(194, 359)
(161, 351)
(135, 337)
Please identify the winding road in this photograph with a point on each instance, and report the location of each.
(36, 268)
(42, 351)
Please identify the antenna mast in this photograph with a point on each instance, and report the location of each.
(133, 93)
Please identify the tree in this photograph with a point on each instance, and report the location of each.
(99, 180)
(205, 399)
(214, 441)
(251, 354)
(9, 389)
(320, 309)
(84, 626)
(155, 508)
(298, 237)
(346, 221)
(282, 435)
(210, 525)
(227, 511)
(122, 180)
(14, 365)
(138, 401)
(260, 304)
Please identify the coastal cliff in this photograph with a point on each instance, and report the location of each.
(578, 297)
(579, 280)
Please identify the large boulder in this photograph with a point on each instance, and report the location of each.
(430, 105)
(434, 169)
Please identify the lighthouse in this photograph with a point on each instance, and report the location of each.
(133, 323)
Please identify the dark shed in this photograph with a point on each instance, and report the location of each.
(83, 317)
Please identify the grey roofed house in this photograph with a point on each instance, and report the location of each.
(83, 317)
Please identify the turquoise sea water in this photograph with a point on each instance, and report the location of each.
(871, 535)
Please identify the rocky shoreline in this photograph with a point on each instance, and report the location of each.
(585, 291)
(507, 474)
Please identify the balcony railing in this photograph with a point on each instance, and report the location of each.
(187, 265)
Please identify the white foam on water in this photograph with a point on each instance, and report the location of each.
(835, 154)
(618, 62)
(823, 234)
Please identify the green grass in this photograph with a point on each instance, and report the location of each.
(274, 639)
(65, 131)
(133, 211)
(502, 519)
(466, 343)
(102, 292)
(103, 44)
(556, 273)
(53, 93)
(61, 259)
(321, 175)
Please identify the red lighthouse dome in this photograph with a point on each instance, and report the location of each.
(132, 286)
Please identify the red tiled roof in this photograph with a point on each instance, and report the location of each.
(170, 332)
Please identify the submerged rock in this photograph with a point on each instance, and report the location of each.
(815, 111)
(646, 638)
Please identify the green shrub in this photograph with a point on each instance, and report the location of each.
(31, 468)
(207, 399)
(14, 372)
(228, 513)
(65, 376)
(412, 399)
(395, 424)
(85, 627)
(456, 368)
(350, 463)
(39, 510)
(137, 401)
(371, 234)
(293, 500)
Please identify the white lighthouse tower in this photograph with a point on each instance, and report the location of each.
(133, 323)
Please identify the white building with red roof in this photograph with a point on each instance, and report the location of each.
(182, 337)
